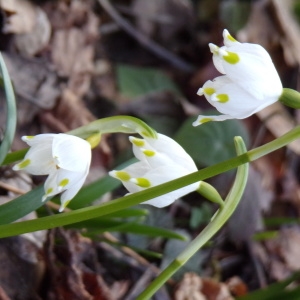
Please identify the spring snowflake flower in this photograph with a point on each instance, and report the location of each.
(65, 158)
(250, 83)
(160, 160)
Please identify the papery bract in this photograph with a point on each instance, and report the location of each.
(250, 83)
(65, 158)
(161, 159)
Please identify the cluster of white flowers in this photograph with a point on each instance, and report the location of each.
(160, 160)
(249, 84)
(65, 158)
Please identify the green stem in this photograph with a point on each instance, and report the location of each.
(125, 124)
(208, 232)
(136, 198)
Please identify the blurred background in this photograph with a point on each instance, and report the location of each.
(75, 61)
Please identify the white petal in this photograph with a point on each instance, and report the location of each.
(165, 174)
(50, 186)
(70, 193)
(228, 39)
(255, 71)
(72, 153)
(167, 147)
(241, 104)
(38, 139)
(204, 119)
(136, 170)
(66, 179)
(39, 158)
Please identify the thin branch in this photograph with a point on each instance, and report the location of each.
(144, 40)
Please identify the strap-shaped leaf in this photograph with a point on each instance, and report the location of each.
(11, 120)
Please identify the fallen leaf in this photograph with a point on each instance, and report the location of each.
(21, 16)
(194, 287)
(37, 39)
(72, 268)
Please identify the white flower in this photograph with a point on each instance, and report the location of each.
(65, 158)
(160, 160)
(250, 83)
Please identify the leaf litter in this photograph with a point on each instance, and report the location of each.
(66, 71)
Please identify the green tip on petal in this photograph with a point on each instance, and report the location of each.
(222, 98)
(137, 142)
(205, 120)
(122, 175)
(49, 191)
(28, 137)
(25, 163)
(149, 153)
(64, 205)
(142, 182)
(231, 38)
(64, 182)
(231, 57)
(209, 91)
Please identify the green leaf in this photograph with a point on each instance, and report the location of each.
(21, 206)
(134, 81)
(200, 215)
(128, 213)
(94, 191)
(276, 291)
(100, 225)
(11, 120)
(210, 142)
(265, 235)
(14, 156)
(144, 252)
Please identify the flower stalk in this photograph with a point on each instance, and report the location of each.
(136, 198)
(124, 124)
(219, 219)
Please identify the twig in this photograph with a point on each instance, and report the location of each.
(144, 40)
(16, 190)
(141, 260)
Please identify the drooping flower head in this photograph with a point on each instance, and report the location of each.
(161, 159)
(65, 158)
(249, 84)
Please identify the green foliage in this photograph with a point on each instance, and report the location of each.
(200, 215)
(100, 225)
(11, 120)
(134, 81)
(276, 291)
(211, 142)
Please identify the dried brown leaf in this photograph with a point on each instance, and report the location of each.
(281, 254)
(21, 16)
(71, 111)
(73, 268)
(193, 287)
(37, 39)
(22, 266)
(73, 43)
